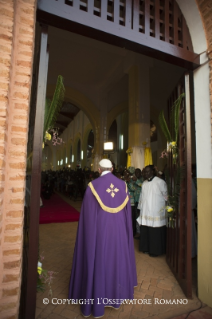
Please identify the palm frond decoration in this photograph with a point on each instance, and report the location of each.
(53, 107)
(47, 108)
(164, 127)
(176, 115)
(173, 174)
(172, 135)
(174, 185)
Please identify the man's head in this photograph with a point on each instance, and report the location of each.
(149, 171)
(105, 165)
(138, 173)
(126, 172)
(126, 175)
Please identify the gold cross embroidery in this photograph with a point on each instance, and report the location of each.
(111, 190)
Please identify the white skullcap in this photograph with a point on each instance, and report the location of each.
(106, 163)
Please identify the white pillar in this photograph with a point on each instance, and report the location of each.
(139, 105)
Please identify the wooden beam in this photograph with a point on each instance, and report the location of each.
(69, 115)
(157, 19)
(135, 14)
(147, 17)
(175, 23)
(116, 11)
(104, 10)
(62, 123)
(76, 4)
(90, 6)
(97, 28)
(128, 14)
(166, 20)
(184, 33)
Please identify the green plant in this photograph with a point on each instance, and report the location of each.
(174, 175)
(44, 277)
(171, 134)
(175, 113)
(53, 107)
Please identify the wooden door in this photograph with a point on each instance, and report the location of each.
(33, 182)
(179, 232)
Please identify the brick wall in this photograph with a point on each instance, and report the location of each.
(17, 27)
(205, 8)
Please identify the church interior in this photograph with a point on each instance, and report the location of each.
(111, 93)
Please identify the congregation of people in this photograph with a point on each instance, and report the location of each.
(69, 182)
(147, 199)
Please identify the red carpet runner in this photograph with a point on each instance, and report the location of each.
(56, 210)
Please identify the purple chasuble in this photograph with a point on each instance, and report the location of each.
(103, 270)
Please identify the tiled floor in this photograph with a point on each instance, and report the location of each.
(155, 282)
(203, 313)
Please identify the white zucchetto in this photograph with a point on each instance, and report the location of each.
(106, 163)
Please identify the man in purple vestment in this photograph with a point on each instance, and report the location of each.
(103, 270)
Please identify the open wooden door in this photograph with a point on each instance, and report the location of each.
(179, 233)
(33, 178)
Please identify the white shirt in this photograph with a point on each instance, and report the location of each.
(152, 203)
(105, 172)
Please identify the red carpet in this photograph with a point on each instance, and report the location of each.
(56, 210)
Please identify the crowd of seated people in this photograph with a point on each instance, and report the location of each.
(69, 182)
(73, 183)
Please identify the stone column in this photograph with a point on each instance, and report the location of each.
(122, 129)
(100, 134)
(139, 105)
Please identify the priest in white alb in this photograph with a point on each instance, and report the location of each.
(152, 219)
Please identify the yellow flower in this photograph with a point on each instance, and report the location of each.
(39, 270)
(169, 209)
(173, 144)
(39, 267)
(129, 150)
(48, 136)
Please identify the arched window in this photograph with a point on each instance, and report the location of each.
(79, 150)
(71, 154)
(90, 144)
